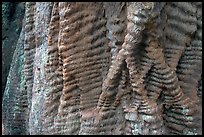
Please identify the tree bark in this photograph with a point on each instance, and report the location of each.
(99, 68)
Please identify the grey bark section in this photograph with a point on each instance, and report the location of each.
(12, 16)
(13, 114)
(16, 119)
(43, 11)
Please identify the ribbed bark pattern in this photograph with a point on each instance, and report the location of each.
(54, 78)
(118, 68)
(82, 33)
(179, 28)
(15, 102)
(29, 48)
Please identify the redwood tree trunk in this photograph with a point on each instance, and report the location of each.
(106, 68)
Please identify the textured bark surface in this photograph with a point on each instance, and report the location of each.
(12, 16)
(106, 68)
